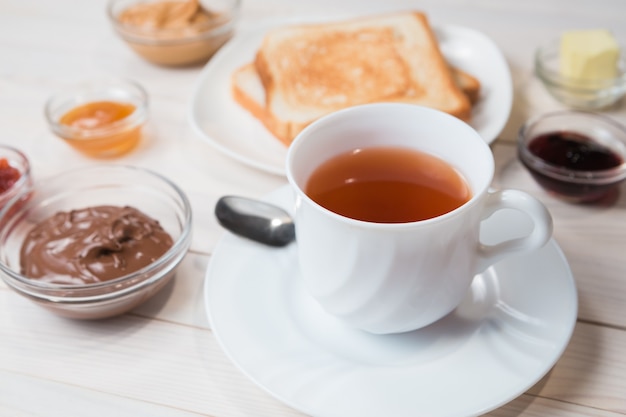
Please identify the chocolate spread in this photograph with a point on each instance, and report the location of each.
(91, 245)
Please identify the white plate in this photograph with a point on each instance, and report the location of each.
(221, 122)
(506, 335)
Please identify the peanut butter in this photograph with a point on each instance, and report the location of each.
(187, 16)
(171, 32)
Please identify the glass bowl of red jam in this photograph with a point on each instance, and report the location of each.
(15, 174)
(575, 155)
(100, 118)
(95, 242)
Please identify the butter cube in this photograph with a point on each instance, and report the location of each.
(589, 55)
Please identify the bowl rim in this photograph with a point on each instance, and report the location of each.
(176, 252)
(603, 176)
(161, 37)
(100, 86)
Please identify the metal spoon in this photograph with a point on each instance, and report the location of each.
(256, 220)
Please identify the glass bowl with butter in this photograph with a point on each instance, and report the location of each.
(174, 32)
(583, 69)
(94, 242)
(102, 118)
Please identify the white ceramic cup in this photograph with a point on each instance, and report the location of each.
(398, 277)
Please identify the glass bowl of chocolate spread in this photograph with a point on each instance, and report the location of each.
(95, 242)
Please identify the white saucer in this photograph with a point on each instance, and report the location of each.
(505, 336)
(222, 123)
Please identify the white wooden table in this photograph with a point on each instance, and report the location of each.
(162, 359)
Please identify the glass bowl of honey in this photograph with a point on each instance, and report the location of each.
(575, 155)
(94, 242)
(100, 118)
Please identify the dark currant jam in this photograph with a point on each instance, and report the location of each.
(576, 152)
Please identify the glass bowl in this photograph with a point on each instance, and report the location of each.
(577, 156)
(575, 93)
(15, 174)
(115, 185)
(191, 37)
(101, 118)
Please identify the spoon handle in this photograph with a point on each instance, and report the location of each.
(256, 220)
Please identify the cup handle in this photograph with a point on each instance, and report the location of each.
(523, 202)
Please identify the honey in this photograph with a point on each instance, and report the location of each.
(98, 128)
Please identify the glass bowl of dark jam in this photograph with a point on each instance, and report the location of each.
(575, 155)
(576, 93)
(94, 242)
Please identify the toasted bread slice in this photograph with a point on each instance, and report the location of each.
(308, 71)
(248, 91)
(469, 84)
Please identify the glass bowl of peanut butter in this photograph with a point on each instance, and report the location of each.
(174, 32)
(94, 242)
